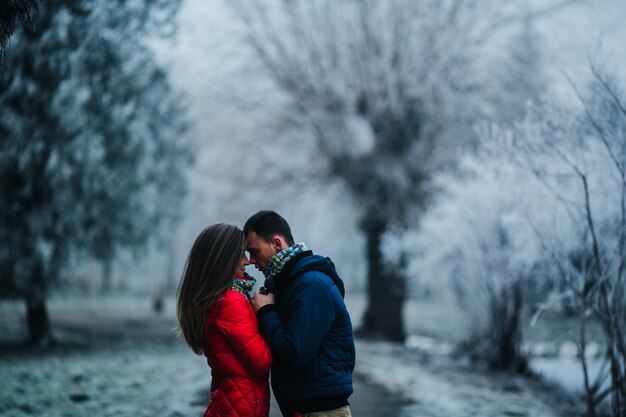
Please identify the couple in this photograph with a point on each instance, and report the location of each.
(299, 327)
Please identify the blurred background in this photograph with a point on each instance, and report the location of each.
(463, 162)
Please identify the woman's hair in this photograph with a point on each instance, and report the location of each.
(211, 266)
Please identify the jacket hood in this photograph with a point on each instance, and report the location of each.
(316, 263)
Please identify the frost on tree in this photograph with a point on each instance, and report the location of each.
(92, 147)
(540, 215)
(14, 13)
(385, 89)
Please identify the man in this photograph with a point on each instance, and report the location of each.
(304, 321)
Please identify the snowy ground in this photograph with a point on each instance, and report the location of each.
(117, 358)
(118, 371)
(438, 386)
(424, 372)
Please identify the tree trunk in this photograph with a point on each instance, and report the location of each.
(385, 289)
(107, 275)
(37, 317)
(38, 321)
(503, 342)
(510, 349)
(618, 399)
(171, 278)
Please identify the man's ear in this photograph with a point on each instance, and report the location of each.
(278, 243)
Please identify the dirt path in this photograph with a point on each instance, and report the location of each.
(127, 361)
(368, 400)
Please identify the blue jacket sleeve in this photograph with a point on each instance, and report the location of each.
(311, 311)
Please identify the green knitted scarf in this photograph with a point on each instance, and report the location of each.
(278, 261)
(244, 285)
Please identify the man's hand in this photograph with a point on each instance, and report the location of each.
(259, 300)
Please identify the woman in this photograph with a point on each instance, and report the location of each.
(216, 318)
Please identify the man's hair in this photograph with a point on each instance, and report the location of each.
(266, 224)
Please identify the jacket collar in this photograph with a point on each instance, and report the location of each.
(289, 266)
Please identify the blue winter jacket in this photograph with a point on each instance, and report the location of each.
(309, 333)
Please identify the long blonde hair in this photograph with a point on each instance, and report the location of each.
(211, 266)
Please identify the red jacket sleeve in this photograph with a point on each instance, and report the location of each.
(236, 320)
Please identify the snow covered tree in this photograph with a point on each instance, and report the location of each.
(475, 244)
(93, 143)
(385, 89)
(580, 156)
(575, 156)
(12, 13)
(544, 200)
(524, 79)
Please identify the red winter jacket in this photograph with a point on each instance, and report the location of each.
(239, 359)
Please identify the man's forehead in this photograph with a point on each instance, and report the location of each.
(252, 240)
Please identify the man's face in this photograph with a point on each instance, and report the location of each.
(260, 251)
